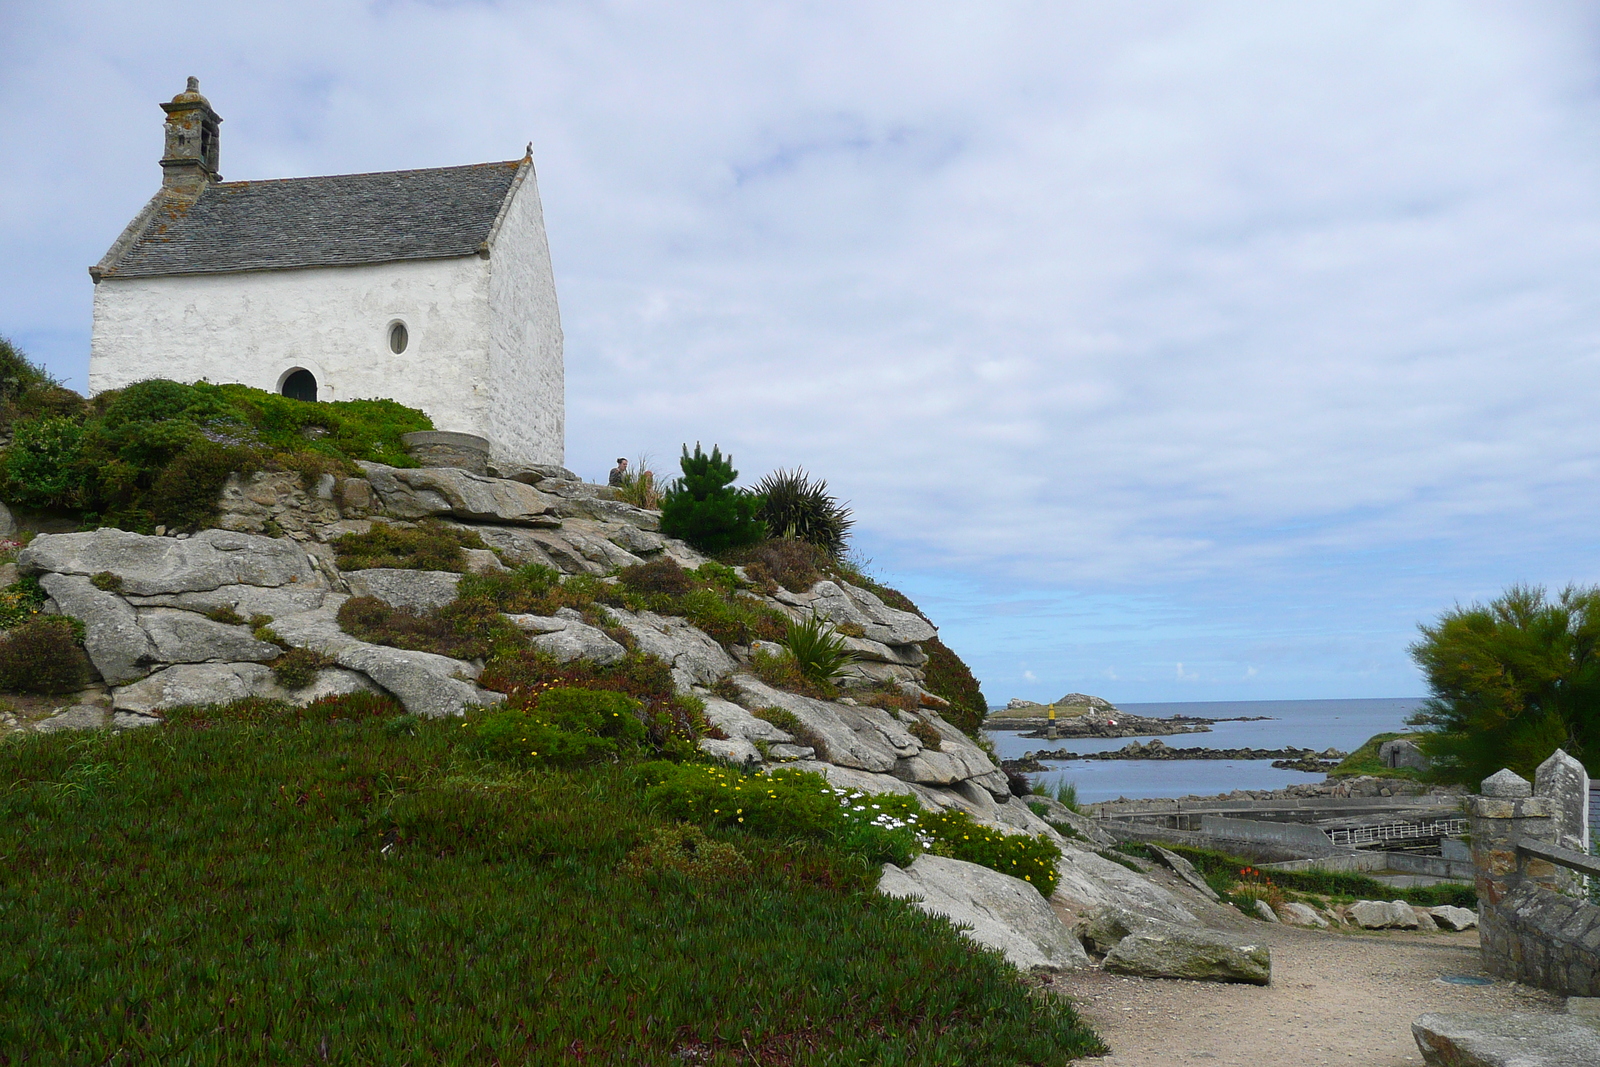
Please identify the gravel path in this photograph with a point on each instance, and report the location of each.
(1337, 997)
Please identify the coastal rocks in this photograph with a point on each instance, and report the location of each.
(1460, 1039)
(1152, 948)
(1383, 915)
(115, 642)
(421, 492)
(148, 566)
(1156, 749)
(567, 637)
(408, 590)
(1453, 918)
(993, 909)
(694, 657)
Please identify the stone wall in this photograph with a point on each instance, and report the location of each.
(1536, 927)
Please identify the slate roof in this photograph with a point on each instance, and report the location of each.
(338, 220)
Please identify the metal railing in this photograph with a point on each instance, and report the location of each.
(1396, 831)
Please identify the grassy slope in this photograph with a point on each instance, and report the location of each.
(1364, 760)
(219, 893)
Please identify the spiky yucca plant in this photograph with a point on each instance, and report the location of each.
(795, 506)
(818, 650)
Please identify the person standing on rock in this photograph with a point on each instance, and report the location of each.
(619, 473)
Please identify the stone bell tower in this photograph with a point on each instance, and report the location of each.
(189, 163)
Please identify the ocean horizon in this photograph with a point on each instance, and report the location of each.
(1316, 724)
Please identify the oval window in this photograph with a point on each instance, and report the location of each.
(398, 338)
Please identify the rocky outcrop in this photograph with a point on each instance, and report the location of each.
(220, 683)
(1460, 1039)
(418, 591)
(117, 645)
(423, 492)
(993, 909)
(146, 566)
(567, 637)
(695, 659)
(1089, 882)
(846, 606)
(184, 637)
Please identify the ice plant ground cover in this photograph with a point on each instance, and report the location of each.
(343, 884)
(883, 827)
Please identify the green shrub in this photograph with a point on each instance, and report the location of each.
(946, 675)
(43, 656)
(794, 506)
(42, 465)
(1511, 681)
(184, 495)
(704, 509)
(532, 589)
(298, 667)
(658, 576)
(20, 601)
(818, 651)
(928, 734)
(881, 827)
(684, 851)
(564, 727)
(429, 546)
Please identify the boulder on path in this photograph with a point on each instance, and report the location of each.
(1107, 926)
(420, 492)
(1297, 914)
(1454, 918)
(1159, 949)
(116, 644)
(1383, 915)
(408, 590)
(1462, 1039)
(149, 566)
(1265, 912)
(993, 909)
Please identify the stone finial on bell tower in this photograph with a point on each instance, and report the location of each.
(189, 163)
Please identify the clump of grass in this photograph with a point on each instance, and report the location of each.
(788, 562)
(298, 667)
(928, 734)
(429, 546)
(1063, 793)
(708, 597)
(685, 851)
(782, 672)
(250, 866)
(790, 723)
(664, 576)
(226, 615)
(466, 628)
(107, 582)
(641, 486)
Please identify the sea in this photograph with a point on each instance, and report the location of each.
(1315, 724)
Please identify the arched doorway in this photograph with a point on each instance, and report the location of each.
(300, 385)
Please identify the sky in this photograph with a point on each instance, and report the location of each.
(1163, 351)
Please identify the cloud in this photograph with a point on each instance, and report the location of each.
(1260, 332)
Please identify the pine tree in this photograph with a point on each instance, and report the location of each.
(704, 509)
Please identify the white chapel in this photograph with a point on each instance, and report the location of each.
(431, 287)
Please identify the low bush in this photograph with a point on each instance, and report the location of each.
(946, 675)
(20, 601)
(42, 464)
(684, 851)
(429, 546)
(782, 561)
(883, 828)
(298, 667)
(794, 506)
(467, 628)
(704, 509)
(818, 651)
(43, 655)
(564, 726)
(663, 576)
(928, 734)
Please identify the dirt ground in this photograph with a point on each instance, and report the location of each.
(1337, 997)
